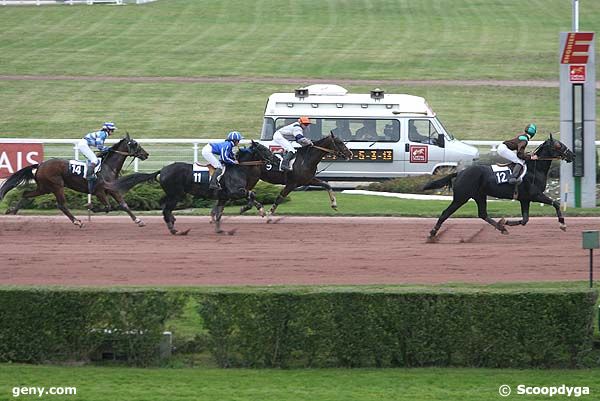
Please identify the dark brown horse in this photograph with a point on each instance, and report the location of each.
(53, 175)
(303, 172)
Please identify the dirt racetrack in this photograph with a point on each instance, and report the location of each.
(297, 250)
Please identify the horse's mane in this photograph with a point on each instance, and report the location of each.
(116, 145)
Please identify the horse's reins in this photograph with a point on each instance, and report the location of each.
(543, 158)
(253, 163)
(326, 150)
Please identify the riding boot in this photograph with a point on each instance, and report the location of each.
(91, 182)
(516, 172)
(90, 171)
(285, 162)
(214, 180)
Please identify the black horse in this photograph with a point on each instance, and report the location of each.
(179, 178)
(53, 175)
(303, 172)
(478, 182)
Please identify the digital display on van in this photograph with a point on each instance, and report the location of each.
(366, 155)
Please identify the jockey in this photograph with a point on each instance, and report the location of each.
(293, 132)
(514, 150)
(95, 139)
(224, 151)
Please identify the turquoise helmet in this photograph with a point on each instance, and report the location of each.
(531, 129)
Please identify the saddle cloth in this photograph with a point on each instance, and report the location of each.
(502, 172)
(79, 168)
(202, 172)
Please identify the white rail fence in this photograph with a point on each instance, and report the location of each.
(166, 151)
(69, 2)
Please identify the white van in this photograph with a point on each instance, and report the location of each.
(390, 135)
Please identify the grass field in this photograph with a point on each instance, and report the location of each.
(209, 110)
(382, 41)
(115, 384)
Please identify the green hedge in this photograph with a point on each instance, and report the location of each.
(302, 328)
(142, 197)
(480, 329)
(39, 325)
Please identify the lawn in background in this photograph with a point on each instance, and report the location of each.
(301, 41)
(210, 110)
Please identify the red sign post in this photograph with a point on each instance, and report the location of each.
(15, 156)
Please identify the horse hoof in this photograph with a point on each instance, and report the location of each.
(141, 224)
(504, 231)
(261, 212)
(432, 239)
(563, 227)
(185, 232)
(78, 223)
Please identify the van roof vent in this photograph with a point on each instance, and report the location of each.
(326, 90)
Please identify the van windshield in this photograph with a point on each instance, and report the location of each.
(347, 129)
(448, 134)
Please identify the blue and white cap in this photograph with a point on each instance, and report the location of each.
(109, 125)
(234, 136)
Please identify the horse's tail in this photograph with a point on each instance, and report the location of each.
(441, 183)
(23, 175)
(127, 182)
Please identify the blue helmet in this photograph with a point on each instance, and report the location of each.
(109, 126)
(234, 136)
(531, 129)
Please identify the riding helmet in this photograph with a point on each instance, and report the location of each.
(304, 120)
(234, 136)
(109, 126)
(531, 129)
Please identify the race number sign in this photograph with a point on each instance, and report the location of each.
(15, 156)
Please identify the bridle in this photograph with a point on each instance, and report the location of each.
(265, 160)
(562, 155)
(334, 151)
(136, 152)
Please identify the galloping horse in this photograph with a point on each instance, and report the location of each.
(303, 172)
(178, 179)
(477, 182)
(52, 176)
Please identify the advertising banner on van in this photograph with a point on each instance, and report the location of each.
(15, 156)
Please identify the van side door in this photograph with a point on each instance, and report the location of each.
(424, 147)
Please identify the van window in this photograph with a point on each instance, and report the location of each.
(348, 130)
(422, 131)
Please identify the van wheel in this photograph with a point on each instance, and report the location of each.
(445, 170)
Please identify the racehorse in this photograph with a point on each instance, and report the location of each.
(178, 179)
(478, 182)
(53, 175)
(303, 172)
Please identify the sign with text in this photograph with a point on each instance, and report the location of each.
(577, 48)
(577, 73)
(15, 156)
(419, 154)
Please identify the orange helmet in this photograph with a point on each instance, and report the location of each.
(304, 120)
